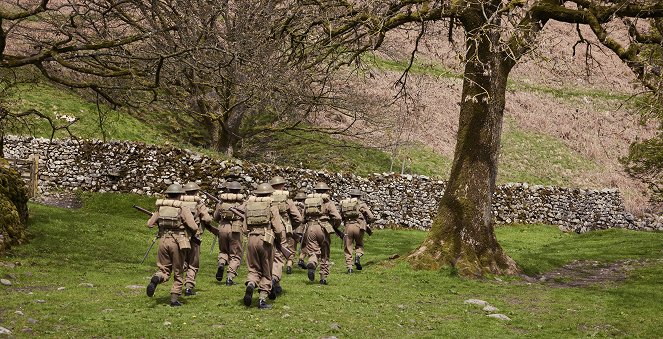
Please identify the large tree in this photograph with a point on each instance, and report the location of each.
(497, 33)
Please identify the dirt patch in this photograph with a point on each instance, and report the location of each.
(588, 272)
(62, 200)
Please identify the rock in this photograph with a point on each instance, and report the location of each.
(5, 282)
(86, 285)
(167, 323)
(490, 308)
(476, 302)
(499, 316)
(4, 330)
(32, 321)
(19, 313)
(40, 301)
(61, 288)
(135, 287)
(335, 326)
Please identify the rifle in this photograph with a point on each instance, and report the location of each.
(155, 237)
(213, 198)
(369, 230)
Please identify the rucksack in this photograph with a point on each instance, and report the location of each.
(258, 211)
(313, 204)
(229, 200)
(169, 213)
(350, 208)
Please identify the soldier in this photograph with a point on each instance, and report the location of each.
(264, 226)
(201, 216)
(291, 218)
(299, 231)
(173, 220)
(230, 231)
(321, 219)
(356, 215)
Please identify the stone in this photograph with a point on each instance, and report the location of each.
(135, 287)
(86, 285)
(499, 316)
(167, 323)
(32, 321)
(4, 330)
(19, 313)
(5, 282)
(335, 326)
(489, 308)
(476, 302)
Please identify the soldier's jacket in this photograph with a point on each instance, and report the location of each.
(327, 214)
(362, 214)
(290, 215)
(224, 216)
(269, 224)
(300, 207)
(199, 211)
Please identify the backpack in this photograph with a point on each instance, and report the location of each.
(169, 213)
(313, 204)
(350, 208)
(229, 200)
(191, 202)
(258, 211)
(280, 198)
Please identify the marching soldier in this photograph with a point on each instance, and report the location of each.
(264, 226)
(322, 219)
(230, 231)
(299, 231)
(203, 220)
(356, 215)
(173, 220)
(291, 218)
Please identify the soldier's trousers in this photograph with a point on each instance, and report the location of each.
(191, 265)
(317, 247)
(259, 259)
(170, 260)
(230, 249)
(292, 246)
(353, 234)
(280, 260)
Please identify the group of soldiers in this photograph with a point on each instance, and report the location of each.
(273, 223)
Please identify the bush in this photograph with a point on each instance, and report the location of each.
(13, 208)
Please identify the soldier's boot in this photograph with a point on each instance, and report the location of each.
(189, 291)
(173, 300)
(219, 272)
(288, 270)
(248, 295)
(301, 264)
(263, 305)
(229, 281)
(272, 292)
(153, 285)
(311, 271)
(357, 262)
(350, 270)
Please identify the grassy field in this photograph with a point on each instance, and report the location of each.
(102, 244)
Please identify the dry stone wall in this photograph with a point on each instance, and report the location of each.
(404, 200)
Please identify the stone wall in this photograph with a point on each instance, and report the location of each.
(405, 200)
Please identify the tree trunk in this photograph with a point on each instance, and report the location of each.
(462, 235)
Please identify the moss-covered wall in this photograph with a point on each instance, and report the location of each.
(13, 208)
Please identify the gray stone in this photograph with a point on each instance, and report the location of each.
(476, 302)
(490, 308)
(499, 316)
(86, 285)
(4, 330)
(5, 282)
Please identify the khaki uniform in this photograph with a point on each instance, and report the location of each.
(260, 246)
(174, 244)
(319, 229)
(230, 232)
(355, 215)
(203, 219)
(299, 232)
(291, 218)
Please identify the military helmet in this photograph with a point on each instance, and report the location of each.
(233, 185)
(355, 192)
(277, 180)
(191, 186)
(321, 186)
(264, 188)
(300, 196)
(174, 189)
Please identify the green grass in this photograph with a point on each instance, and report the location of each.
(51, 100)
(538, 159)
(103, 242)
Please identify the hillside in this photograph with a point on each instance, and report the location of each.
(563, 125)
